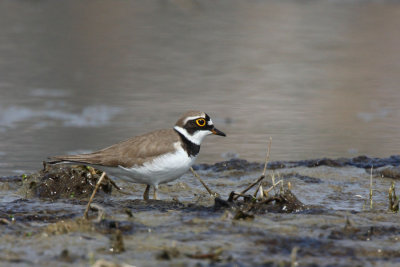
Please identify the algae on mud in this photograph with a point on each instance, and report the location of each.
(326, 223)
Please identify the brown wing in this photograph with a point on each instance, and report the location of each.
(134, 151)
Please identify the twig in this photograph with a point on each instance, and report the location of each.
(94, 172)
(393, 199)
(293, 256)
(270, 199)
(233, 196)
(85, 214)
(249, 187)
(116, 186)
(267, 156)
(262, 175)
(289, 185)
(4, 221)
(213, 255)
(370, 189)
(281, 187)
(201, 181)
(272, 187)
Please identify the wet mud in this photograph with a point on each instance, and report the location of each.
(359, 162)
(305, 213)
(62, 181)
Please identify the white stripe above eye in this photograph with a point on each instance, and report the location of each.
(194, 117)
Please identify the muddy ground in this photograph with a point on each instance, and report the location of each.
(322, 218)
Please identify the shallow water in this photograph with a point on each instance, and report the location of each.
(320, 77)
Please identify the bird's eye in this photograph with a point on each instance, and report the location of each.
(201, 122)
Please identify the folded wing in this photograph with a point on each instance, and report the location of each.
(132, 152)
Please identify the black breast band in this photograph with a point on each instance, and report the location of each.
(191, 148)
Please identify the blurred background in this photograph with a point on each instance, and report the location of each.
(321, 77)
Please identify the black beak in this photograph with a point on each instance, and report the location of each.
(217, 132)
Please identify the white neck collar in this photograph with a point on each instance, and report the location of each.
(196, 138)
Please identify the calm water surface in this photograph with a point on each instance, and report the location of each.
(320, 77)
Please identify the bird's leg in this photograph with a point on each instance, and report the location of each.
(155, 192)
(146, 192)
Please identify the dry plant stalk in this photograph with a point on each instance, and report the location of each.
(93, 172)
(272, 187)
(293, 256)
(248, 188)
(393, 199)
(201, 181)
(5, 221)
(267, 156)
(262, 175)
(259, 189)
(370, 189)
(274, 184)
(85, 214)
(391, 202)
(117, 187)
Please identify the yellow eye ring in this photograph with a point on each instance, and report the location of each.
(201, 122)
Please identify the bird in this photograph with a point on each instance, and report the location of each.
(153, 158)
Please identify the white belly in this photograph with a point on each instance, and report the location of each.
(160, 170)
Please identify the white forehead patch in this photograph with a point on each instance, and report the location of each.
(210, 122)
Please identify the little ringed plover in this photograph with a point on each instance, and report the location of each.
(153, 158)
